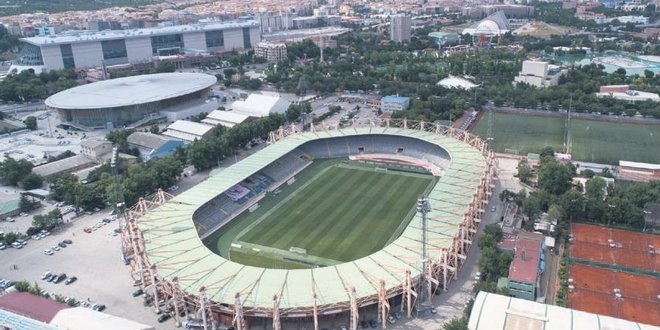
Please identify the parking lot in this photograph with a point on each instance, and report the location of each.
(93, 258)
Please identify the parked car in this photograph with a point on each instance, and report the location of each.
(67, 241)
(60, 278)
(56, 248)
(49, 252)
(70, 280)
(46, 275)
(163, 317)
(2, 246)
(477, 276)
(61, 244)
(391, 319)
(98, 307)
(137, 292)
(51, 278)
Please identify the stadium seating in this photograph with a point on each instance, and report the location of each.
(221, 209)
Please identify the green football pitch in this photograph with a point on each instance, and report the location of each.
(592, 141)
(335, 212)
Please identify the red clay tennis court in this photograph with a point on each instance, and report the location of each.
(594, 292)
(615, 247)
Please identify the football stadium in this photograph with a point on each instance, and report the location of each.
(317, 224)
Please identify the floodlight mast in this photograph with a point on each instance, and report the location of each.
(423, 208)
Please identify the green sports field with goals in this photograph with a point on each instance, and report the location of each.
(334, 212)
(592, 140)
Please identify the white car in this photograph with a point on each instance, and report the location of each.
(477, 276)
(45, 275)
(56, 248)
(2, 246)
(36, 237)
(49, 252)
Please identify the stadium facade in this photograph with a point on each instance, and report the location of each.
(162, 242)
(98, 105)
(81, 49)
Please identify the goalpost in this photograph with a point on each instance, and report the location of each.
(380, 169)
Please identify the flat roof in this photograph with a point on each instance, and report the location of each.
(647, 166)
(174, 246)
(525, 265)
(32, 306)
(81, 318)
(190, 127)
(395, 99)
(61, 165)
(133, 90)
(497, 312)
(96, 36)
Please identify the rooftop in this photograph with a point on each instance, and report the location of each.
(29, 305)
(81, 318)
(9, 206)
(133, 90)
(62, 165)
(89, 36)
(190, 127)
(456, 82)
(260, 105)
(147, 140)
(496, 312)
(527, 254)
(394, 99)
(625, 163)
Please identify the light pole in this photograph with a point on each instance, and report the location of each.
(609, 216)
(645, 214)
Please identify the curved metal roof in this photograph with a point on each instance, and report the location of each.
(494, 312)
(173, 245)
(129, 91)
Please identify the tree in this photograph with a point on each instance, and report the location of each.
(554, 178)
(13, 171)
(524, 172)
(30, 123)
(595, 188)
(456, 324)
(24, 204)
(32, 181)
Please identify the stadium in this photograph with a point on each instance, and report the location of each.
(97, 105)
(302, 258)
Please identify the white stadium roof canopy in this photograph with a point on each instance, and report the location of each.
(129, 91)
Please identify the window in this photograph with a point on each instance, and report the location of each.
(246, 38)
(30, 55)
(169, 44)
(215, 39)
(67, 56)
(113, 49)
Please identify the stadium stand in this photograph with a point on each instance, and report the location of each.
(227, 205)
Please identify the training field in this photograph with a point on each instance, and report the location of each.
(593, 141)
(335, 211)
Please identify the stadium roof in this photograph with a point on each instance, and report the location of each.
(86, 36)
(258, 105)
(174, 246)
(496, 312)
(133, 90)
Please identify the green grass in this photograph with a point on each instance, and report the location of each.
(335, 211)
(593, 141)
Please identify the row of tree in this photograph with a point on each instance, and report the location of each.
(27, 86)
